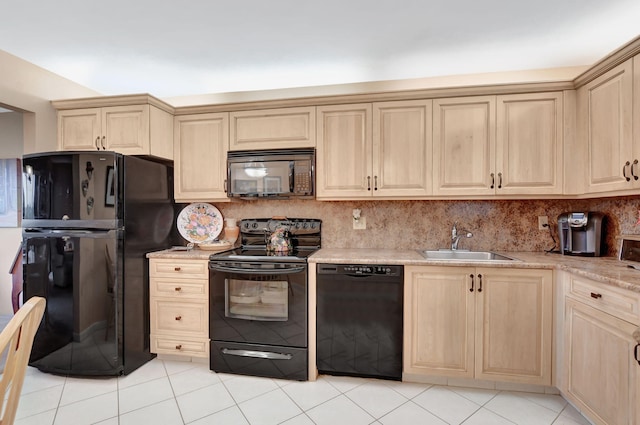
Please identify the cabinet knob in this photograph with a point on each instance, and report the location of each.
(178, 317)
(179, 347)
(595, 295)
(177, 269)
(177, 289)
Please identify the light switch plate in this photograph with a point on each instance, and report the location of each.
(543, 222)
(360, 224)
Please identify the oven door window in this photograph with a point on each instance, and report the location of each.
(264, 300)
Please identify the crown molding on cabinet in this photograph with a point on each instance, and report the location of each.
(105, 101)
(613, 59)
(470, 90)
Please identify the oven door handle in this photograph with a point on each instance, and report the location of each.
(257, 354)
(219, 268)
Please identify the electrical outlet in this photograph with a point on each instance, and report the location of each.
(360, 224)
(543, 222)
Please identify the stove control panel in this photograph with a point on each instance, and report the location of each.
(296, 226)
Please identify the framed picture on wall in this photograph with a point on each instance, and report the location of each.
(10, 192)
(110, 193)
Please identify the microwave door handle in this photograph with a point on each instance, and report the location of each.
(291, 176)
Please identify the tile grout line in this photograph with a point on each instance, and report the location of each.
(173, 391)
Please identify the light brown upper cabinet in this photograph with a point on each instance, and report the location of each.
(605, 123)
(273, 129)
(464, 139)
(380, 150)
(498, 145)
(200, 148)
(130, 130)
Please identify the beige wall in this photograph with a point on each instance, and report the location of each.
(26, 87)
(11, 129)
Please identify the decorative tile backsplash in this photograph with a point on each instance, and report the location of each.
(502, 225)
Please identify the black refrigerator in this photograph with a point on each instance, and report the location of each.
(89, 218)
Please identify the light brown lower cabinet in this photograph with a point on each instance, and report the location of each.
(481, 323)
(602, 374)
(179, 307)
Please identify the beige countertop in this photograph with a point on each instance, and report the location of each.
(192, 254)
(608, 270)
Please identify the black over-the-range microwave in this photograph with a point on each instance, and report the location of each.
(273, 174)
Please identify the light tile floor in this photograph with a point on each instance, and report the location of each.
(177, 393)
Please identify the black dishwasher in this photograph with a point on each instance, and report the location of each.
(359, 320)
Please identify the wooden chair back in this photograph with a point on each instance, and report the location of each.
(16, 340)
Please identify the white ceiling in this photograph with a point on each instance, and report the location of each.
(170, 48)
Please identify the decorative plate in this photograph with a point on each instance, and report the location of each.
(200, 222)
(216, 246)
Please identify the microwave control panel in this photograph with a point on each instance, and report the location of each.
(303, 183)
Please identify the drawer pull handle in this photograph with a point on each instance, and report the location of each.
(473, 281)
(480, 283)
(624, 171)
(178, 317)
(596, 296)
(635, 353)
(177, 269)
(179, 347)
(177, 289)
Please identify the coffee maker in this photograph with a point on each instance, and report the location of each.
(580, 233)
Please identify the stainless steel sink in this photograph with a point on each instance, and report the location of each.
(462, 255)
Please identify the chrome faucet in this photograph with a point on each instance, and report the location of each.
(455, 236)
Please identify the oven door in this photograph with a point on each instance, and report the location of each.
(261, 303)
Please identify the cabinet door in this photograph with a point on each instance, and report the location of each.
(607, 104)
(343, 153)
(514, 325)
(464, 146)
(602, 375)
(402, 148)
(438, 321)
(126, 129)
(529, 144)
(79, 129)
(273, 129)
(635, 171)
(200, 155)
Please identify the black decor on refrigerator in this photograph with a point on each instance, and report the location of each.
(89, 218)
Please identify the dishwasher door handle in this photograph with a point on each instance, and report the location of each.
(257, 354)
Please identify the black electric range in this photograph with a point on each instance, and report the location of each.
(258, 301)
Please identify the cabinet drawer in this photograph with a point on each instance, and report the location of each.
(179, 288)
(179, 317)
(195, 347)
(615, 301)
(179, 268)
